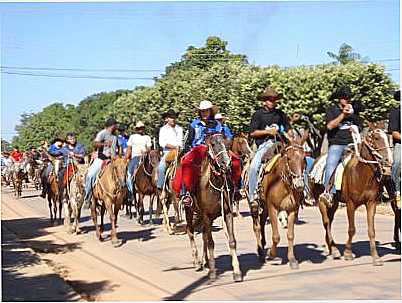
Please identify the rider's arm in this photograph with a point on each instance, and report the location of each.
(128, 152)
(190, 138)
(396, 135)
(333, 122)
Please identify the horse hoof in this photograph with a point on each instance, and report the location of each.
(237, 277)
(77, 231)
(212, 275)
(378, 261)
(198, 267)
(294, 264)
(348, 256)
(336, 255)
(116, 243)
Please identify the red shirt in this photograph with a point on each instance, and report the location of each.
(16, 155)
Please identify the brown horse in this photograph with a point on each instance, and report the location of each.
(17, 177)
(53, 198)
(282, 190)
(168, 196)
(145, 184)
(213, 196)
(109, 191)
(241, 148)
(362, 184)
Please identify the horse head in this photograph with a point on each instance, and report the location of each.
(293, 155)
(217, 151)
(240, 145)
(378, 145)
(154, 157)
(119, 166)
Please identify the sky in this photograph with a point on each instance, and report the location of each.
(146, 37)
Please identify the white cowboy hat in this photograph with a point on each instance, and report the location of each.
(205, 104)
(139, 124)
(219, 116)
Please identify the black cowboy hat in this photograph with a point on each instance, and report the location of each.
(170, 114)
(342, 92)
(122, 127)
(397, 95)
(110, 122)
(268, 93)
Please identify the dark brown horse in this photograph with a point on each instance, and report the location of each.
(282, 190)
(145, 184)
(213, 197)
(241, 148)
(18, 176)
(109, 191)
(362, 184)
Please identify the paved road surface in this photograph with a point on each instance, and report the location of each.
(151, 265)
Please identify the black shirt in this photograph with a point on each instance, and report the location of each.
(395, 122)
(341, 135)
(264, 118)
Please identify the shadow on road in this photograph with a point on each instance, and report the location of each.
(142, 235)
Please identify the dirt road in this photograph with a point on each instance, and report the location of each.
(151, 265)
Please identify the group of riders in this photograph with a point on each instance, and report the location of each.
(268, 127)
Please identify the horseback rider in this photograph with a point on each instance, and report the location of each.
(16, 154)
(394, 128)
(266, 125)
(137, 146)
(106, 144)
(343, 123)
(196, 149)
(170, 139)
(55, 155)
(122, 137)
(226, 130)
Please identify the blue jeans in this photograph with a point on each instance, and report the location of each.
(132, 165)
(333, 159)
(309, 166)
(396, 167)
(161, 172)
(255, 168)
(92, 173)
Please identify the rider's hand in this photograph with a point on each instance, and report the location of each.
(347, 109)
(272, 131)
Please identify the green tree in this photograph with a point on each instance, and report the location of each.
(346, 55)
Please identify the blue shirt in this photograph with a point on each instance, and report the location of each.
(122, 141)
(54, 151)
(227, 132)
(200, 130)
(78, 149)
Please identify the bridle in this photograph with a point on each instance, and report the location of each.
(288, 176)
(215, 157)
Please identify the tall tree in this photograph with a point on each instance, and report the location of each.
(346, 55)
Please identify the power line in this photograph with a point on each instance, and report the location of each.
(80, 69)
(75, 76)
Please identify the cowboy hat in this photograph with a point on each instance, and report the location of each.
(268, 93)
(139, 124)
(219, 116)
(205, 104)
(170, 114)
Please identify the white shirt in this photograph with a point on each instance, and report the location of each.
(170, 135)
(139, 144)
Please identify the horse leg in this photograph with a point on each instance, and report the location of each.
(211, 245)
(190, 232)
(67, 217)
(150, 209)
(95, 219)
(237, 275)
(166, 219)
(102, 214)
(49, 200)
(273, 217)
(397, 222)
(140, 208)
(263, 220)
(77, 216)
(205, 249)
(348, 255)
(257, 233)
(327, 215)
(291, 235)
(113, 214)
(371, 208)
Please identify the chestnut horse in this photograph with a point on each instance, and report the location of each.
(145, 184)
(213, 197)
(362, 184)
(282, 190)
(109, 191)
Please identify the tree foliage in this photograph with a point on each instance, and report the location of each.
(212, 72)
